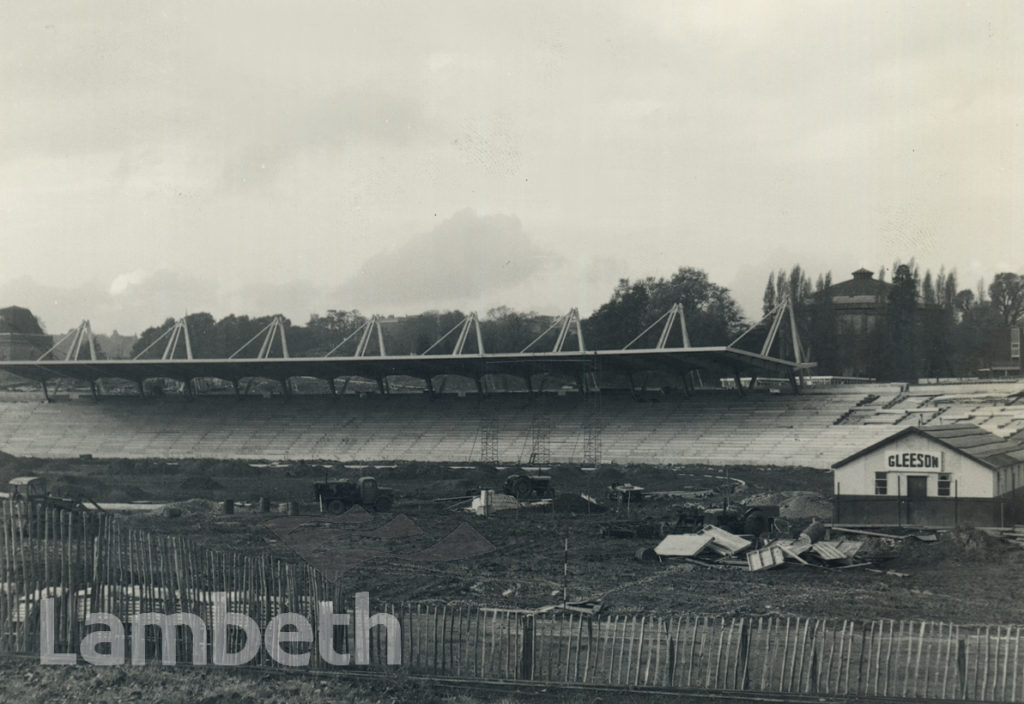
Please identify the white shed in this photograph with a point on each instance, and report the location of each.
(932, 476)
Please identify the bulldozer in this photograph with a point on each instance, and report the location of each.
(30, 499)
(735, 518)
(339, 496)
(527, 486)
(34, 490)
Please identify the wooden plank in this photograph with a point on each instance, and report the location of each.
(579, 647)
(836, 666)
(785, 651)
(766, 650)
(508, 645)
(488, 634)
(639, 650)
(608, 627)
(533, 648)
(693, 645)
(1016, 659)
(476, 642)
(888, 656)
(624, 679)
(435, 669)
(720, 680)
(984, 676)
(703, 659)
(932, 649)
(849, 657)
(1006, 664)
(799, 671)
(590, 645)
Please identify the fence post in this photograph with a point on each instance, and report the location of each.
(961, 666)
(526, 654)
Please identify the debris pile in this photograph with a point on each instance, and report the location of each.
(715, 546)
(1013, 535)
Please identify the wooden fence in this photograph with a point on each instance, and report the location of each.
(92, 562)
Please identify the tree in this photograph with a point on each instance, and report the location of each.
(712, 316)
(822, 338)
(899, 349)
(622, 318)
(20, 320)
(928, 290)
(149, 337)
(769, 295)
(964, 300)
(507, 330)
(1007, 295)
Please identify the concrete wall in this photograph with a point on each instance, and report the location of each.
(930, 512)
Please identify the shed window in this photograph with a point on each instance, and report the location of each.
(881, 483)
(944, 484)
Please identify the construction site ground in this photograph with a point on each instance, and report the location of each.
(428, 549)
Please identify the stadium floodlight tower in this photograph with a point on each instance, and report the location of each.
(79, 336)
(469, 324)
(667, 320)
(781, 312)
(568, 324)
(177, 335)
(273, 330)
(366, 332)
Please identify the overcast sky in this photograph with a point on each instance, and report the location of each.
(393, 157)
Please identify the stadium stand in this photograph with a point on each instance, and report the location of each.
(814, 428)
(712, 428)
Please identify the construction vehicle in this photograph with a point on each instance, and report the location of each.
(30, 497)
(690, 518)
(34, 490)
(743, 520)
(339, 496)
(625, 494)
(526, 486)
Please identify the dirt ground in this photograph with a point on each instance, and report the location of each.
(23, 680)
(428, 549)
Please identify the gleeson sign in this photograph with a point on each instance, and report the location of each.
(914, 460)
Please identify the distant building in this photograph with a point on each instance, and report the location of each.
(858, 310)
(859, 303)
(932, 476)
(1003, 354)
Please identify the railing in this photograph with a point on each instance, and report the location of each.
(86, 563)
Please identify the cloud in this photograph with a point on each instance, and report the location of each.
(123, 282)
(458, 262)
(129, 303)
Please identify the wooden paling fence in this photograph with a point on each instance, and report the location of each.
(91, 562)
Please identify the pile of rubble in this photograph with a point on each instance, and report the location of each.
(1013, 535)
(714, 546)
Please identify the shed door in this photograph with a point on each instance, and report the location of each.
(917, 492)
(917, 488)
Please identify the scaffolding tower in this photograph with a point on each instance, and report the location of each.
(592, 429)
(540, 439)
(488, 432)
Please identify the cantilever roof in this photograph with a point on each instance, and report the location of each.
(964, 438)
(681, 359)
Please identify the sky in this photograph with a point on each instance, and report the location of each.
(394, 157)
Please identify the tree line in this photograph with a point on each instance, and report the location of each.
(929, 326)
(711, 315)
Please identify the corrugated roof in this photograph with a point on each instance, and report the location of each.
(965, 438)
